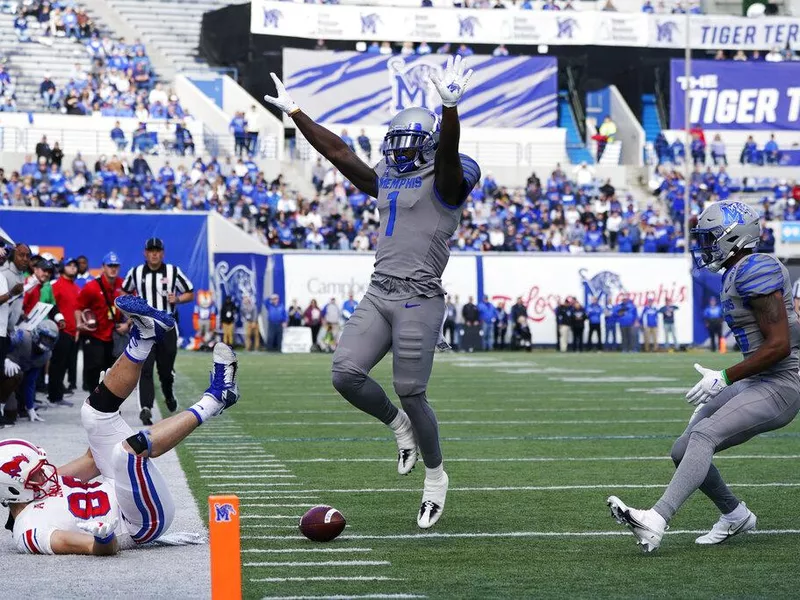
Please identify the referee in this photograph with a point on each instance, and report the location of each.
(163, 286)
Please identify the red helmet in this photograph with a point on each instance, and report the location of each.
(25, 474)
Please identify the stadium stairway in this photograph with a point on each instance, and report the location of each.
(169, 28)
(576, 148)
(650, 121)
(29, 62)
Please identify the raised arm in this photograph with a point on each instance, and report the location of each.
(454, 176)
(326, 142)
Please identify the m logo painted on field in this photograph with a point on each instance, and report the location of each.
(566, 28)
(665, 31)
(369, 23)
(13, 468)
(272, 17)
(467, 25)
(411, 83)
(223, 513)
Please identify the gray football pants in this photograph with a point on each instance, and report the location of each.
(411, 327)
(738, 413)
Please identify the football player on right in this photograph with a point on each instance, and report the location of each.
(758, 394)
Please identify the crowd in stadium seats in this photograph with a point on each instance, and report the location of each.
(50, 19)
(700, 151)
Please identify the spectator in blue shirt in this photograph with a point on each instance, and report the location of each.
(349, 307)
(678, 151)
(276, 322)
(21, 27)
(668, 316)
(650, 323)
(70, 21)
(47, 92)
(698, 150)
(611, 319)
(118, 136)
(771, 152)
(238, 128)
(464, 50)
(627, 316)
(625, 241)
(594, 312)
(712, 317)
(749, 152)
(488, 315)
(648, 7)
(593, 238)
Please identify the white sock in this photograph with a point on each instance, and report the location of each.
(138, 350)
(401, 422)
(435, 473)
(737, 514)
(207, 407)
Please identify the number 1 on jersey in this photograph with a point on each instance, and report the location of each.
(392, 213)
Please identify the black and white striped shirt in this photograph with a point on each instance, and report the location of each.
(155, 286)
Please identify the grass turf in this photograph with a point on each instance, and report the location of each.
(605, 421)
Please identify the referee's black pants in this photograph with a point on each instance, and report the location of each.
(59, 362)
(97, 357)
(163, 358)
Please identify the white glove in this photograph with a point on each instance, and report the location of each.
(454, 83)
(103, 531)
(11, 368)
(712, 383)
(283, 100)
(34, 416)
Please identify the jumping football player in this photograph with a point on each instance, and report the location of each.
(62, 511)
(760, 393)
(420, 186)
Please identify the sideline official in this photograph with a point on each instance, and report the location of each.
(163, 286)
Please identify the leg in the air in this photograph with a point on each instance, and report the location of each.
(415, 332)
(366, 339)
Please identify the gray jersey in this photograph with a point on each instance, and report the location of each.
(416, 226)
(758, 275)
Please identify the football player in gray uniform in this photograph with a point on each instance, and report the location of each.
(760, 393)
(420, 186)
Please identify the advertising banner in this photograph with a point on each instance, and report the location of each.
(557, 28)
(543, 282)
(369, 89)
(736, 95)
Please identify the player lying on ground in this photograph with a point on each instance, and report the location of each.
(420, 187)
(62, 511)
(760, 393)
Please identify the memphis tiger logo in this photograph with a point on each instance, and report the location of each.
(566, 28)
(467, 25)
(604, 284)
(272, 17)
(370, 22)
(665, 31)
(223, 512)
(411, 83)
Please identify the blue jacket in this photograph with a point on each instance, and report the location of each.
(626, 313)
(276, 314)
(595, 312)
(348, 308)
(712, 312)
(487, 312)
(650, 316)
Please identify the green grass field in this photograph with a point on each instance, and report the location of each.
(533, 445)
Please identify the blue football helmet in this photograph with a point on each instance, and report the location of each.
(723, 229)
(412, 139)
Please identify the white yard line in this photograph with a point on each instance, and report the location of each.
(251, 505)
(334, 578)
(265, 476)
(554, 458)
(482, 422)
(523, 534)
(541, 488)
(303, 550)
(320, 563)
(294, 517)
(348, 597)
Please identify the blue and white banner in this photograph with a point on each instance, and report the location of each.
(526, 27)
(369, 89)
(736, 95)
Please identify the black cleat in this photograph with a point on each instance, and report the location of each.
(146, 416)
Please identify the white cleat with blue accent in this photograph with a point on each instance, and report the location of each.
(223, 387)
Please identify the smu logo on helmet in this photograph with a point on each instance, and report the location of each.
(467, 25)
(223, 512)
(411, 83)
(665, 31)
(369, 23)
(13, 468)
(566, 27)
(272, 17)
(733, 213)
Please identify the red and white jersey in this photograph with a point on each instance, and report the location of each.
(76, 502)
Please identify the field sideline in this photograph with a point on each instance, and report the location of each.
(533, 444)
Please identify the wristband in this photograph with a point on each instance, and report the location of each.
(725, 377)
(294, 111)
(106, 540)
